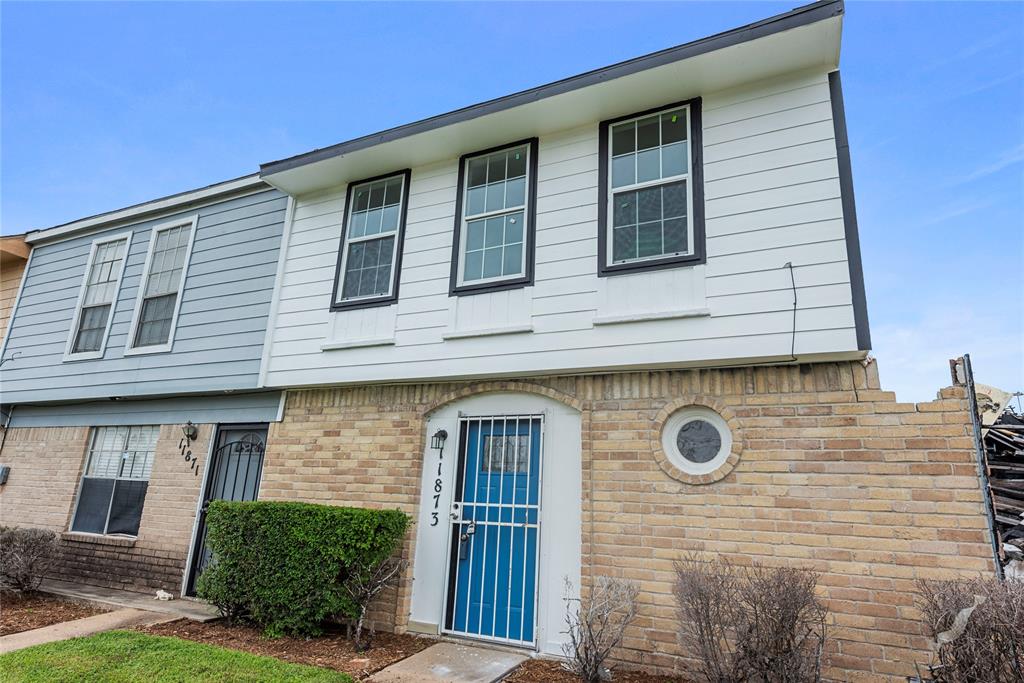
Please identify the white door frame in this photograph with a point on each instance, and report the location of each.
(559, 547)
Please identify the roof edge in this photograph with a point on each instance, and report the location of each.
(148, 208)
(795, 18)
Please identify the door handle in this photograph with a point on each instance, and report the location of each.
(464, 540)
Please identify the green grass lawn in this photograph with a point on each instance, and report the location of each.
(128, 657)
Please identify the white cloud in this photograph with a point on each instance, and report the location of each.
(914, 355)
(1005, 160)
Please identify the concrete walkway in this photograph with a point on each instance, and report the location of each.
(452, 662)
(119, 618)
(112, 597)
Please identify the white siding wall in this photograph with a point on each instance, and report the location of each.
(771, 197)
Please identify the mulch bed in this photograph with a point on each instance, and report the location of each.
(547, 671)
(331, 650)
(35, 610)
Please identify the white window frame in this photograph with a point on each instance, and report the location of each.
(670, 444)
(464, 221)
(129, 348)
(93, 433)
(612, 191)
(341, 303)
(76, 320)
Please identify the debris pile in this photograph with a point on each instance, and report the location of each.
(1003, 439)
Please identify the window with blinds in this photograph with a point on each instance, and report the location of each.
(97, 297)
(115, 480)
(162, 282)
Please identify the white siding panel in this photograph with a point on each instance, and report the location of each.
(835, 272)
(771, 198)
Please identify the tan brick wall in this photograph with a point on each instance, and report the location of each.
(46, 465)
(11, 270)
(833, 475)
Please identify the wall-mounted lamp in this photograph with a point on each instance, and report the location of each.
(437, 441)
(190, 431)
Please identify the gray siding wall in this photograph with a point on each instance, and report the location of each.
(232, 408)
(218, 344)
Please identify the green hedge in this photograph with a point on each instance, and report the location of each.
(283, 566)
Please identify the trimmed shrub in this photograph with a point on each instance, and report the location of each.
(285, 566)
(26, 555)
(977, 626)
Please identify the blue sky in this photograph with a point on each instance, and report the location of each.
(105, 105)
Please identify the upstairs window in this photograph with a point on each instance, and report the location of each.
(115, 480)
(371, 243)
(97, 296)
(651, 213)
(493, 246)
(163, 278)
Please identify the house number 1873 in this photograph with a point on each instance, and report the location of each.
(438, 487)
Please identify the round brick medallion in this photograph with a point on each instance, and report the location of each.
(698, 442)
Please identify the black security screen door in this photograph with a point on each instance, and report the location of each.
(234, 474)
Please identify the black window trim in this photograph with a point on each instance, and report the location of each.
(696, 180)
(526, 280)
(396, 270)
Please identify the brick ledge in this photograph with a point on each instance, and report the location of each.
(99, 539)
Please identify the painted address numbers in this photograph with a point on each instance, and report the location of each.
(438, 487)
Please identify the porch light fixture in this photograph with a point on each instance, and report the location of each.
(190, 431)
(437, 441)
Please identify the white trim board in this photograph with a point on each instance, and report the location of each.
(248, 184)
(275, 297)
(14, 306)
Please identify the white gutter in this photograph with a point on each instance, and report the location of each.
(132, 213)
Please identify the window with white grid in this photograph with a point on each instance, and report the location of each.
(650, 174)
(98, 295)
(367, 271)
(161, 286)
(115, 480)
(494, 210)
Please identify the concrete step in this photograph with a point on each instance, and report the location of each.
(452, 662)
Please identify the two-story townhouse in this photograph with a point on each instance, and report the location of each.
(576, 331)
(583, 329)
(130, 372)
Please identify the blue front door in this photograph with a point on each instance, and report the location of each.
(492, 577)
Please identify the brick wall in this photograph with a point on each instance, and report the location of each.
(46, 466)
(832, 474)
(11, 270)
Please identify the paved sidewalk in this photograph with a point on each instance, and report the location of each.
(180, 608)
(119, 618)
(452, 662)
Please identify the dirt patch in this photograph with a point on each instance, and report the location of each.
(547, 671)
(35, 610)
(331, 650)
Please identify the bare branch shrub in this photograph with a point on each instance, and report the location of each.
(596, 625)
(362, 586)
(26, 555)
(752, 623)
(977, 626)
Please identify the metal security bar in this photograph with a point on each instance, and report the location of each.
(495, 534)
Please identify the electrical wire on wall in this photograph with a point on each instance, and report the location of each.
(792, 340)
(792, 284)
